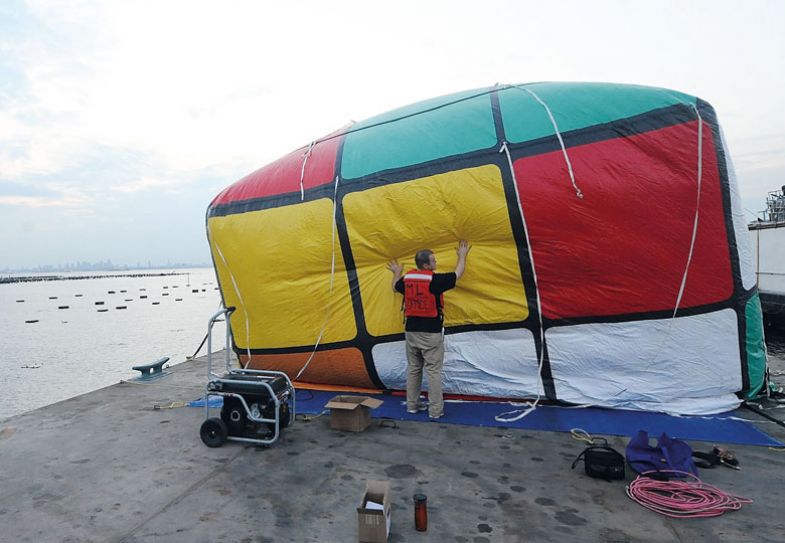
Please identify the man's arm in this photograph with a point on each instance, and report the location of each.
(397, 271)
(462, 250)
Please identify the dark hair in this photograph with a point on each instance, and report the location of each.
(422, 258)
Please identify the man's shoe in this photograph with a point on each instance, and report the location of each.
(436, 418)
(419, 409)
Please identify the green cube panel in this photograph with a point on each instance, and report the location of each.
(437, 128)
(756, 350)
(577, 105)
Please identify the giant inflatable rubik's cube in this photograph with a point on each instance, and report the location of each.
(625, 282)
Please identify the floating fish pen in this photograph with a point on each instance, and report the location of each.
(39, 278)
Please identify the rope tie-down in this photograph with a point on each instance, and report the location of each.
(306, 155)
(578, 191)
(328, 308)
(529, 407)
(239, 297)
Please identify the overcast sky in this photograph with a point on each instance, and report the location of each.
(121, 120)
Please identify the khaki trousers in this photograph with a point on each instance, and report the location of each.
(425, 349)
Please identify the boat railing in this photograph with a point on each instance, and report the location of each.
(775, 206)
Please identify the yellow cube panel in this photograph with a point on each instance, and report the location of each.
(395, 221)
(280, 260)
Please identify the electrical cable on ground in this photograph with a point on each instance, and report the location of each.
(764, 415)
(582, 435)
(172, 405)
(199, 348)
(683, 498)
(308, 418)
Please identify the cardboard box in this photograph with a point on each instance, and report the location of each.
(373, 515)
(351, 413)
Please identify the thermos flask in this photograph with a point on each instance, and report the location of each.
(420, 512)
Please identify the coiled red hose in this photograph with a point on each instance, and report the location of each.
(687, 498)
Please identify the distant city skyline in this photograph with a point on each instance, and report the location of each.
(104, 265)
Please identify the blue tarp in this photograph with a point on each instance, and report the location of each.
(723, 428)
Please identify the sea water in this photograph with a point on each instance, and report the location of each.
(72, 351)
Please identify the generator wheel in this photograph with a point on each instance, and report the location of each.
(213, 432)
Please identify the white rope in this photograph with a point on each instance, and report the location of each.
(240, 298)
(530, 406)
(328, 309)
(302, 169)
(667, 334)
(578, 191)
(697, 211)
(599, 403)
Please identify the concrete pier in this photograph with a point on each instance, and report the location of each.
(107, 466)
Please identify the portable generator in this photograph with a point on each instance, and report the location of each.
(257, 404)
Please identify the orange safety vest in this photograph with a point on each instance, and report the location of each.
(418, 299)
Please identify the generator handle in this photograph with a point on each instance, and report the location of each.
(227, 311)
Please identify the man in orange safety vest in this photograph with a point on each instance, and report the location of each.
(423, 291)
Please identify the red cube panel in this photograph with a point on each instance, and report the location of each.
(623, 248)
(283, 175)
